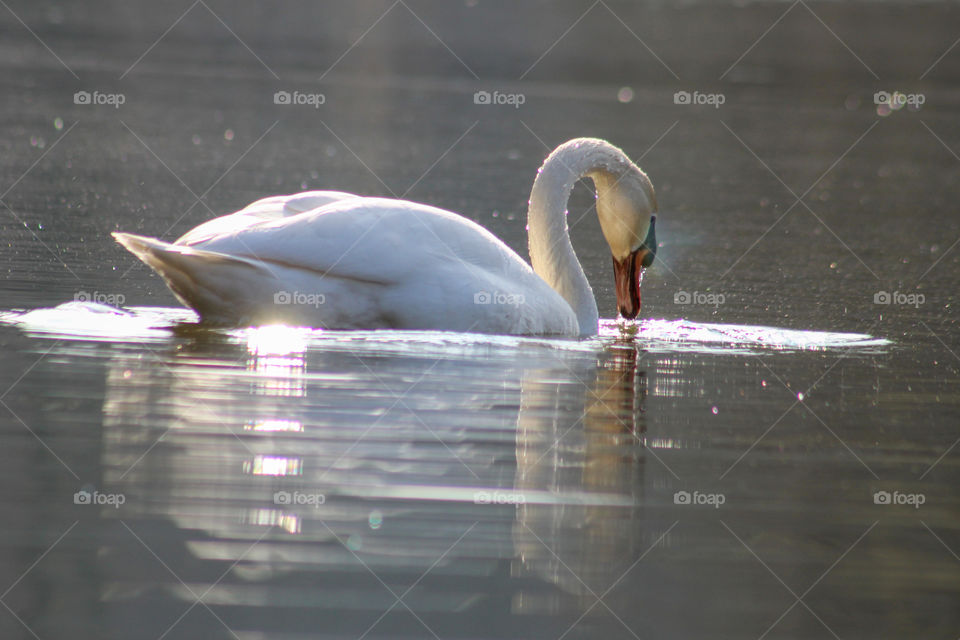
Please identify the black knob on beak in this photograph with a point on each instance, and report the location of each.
(650, 244)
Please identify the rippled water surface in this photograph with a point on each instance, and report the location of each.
(296, 480)
(780, 462)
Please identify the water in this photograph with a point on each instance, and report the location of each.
(718, 471)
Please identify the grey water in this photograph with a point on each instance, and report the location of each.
(770, 452)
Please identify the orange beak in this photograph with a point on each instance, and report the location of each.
(628, 272)
(626, 275)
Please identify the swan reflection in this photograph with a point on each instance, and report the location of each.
(581, 545)
(291, 457)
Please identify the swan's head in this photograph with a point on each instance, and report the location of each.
(626, 206)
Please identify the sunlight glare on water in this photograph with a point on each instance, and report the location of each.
(91, 321)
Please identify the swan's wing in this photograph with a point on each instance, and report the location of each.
(392, 263)
(378, 240)
(265, 210)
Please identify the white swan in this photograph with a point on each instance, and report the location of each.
(336, 260)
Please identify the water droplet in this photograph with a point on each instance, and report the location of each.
(58, 123)
(625, 95)
(800, 397)
(354, 542)
(375, 519)
(196, 139)
(715, 410)
(228, 135)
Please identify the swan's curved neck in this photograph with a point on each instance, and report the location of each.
(551, 252)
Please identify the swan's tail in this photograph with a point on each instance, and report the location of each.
(207, 281)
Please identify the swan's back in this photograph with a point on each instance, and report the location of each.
(264, 210)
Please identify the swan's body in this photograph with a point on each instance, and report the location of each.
(336, 260)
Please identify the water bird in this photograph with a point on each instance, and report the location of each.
(341, 261)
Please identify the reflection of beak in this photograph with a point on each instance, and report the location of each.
(628, 272)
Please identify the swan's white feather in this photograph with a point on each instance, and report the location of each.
(355, 262)
(266, 209)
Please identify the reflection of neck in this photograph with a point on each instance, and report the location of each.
(574, 441)
(603, 396)
(612, 423)
(551, 252)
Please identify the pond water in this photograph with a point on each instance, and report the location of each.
(770, 452)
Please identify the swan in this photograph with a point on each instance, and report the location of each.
(336, 260)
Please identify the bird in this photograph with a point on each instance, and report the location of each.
(336, 260)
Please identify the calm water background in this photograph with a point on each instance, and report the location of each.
(422, 446)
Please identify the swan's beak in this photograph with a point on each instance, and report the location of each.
(626, 276)
(628, 272)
